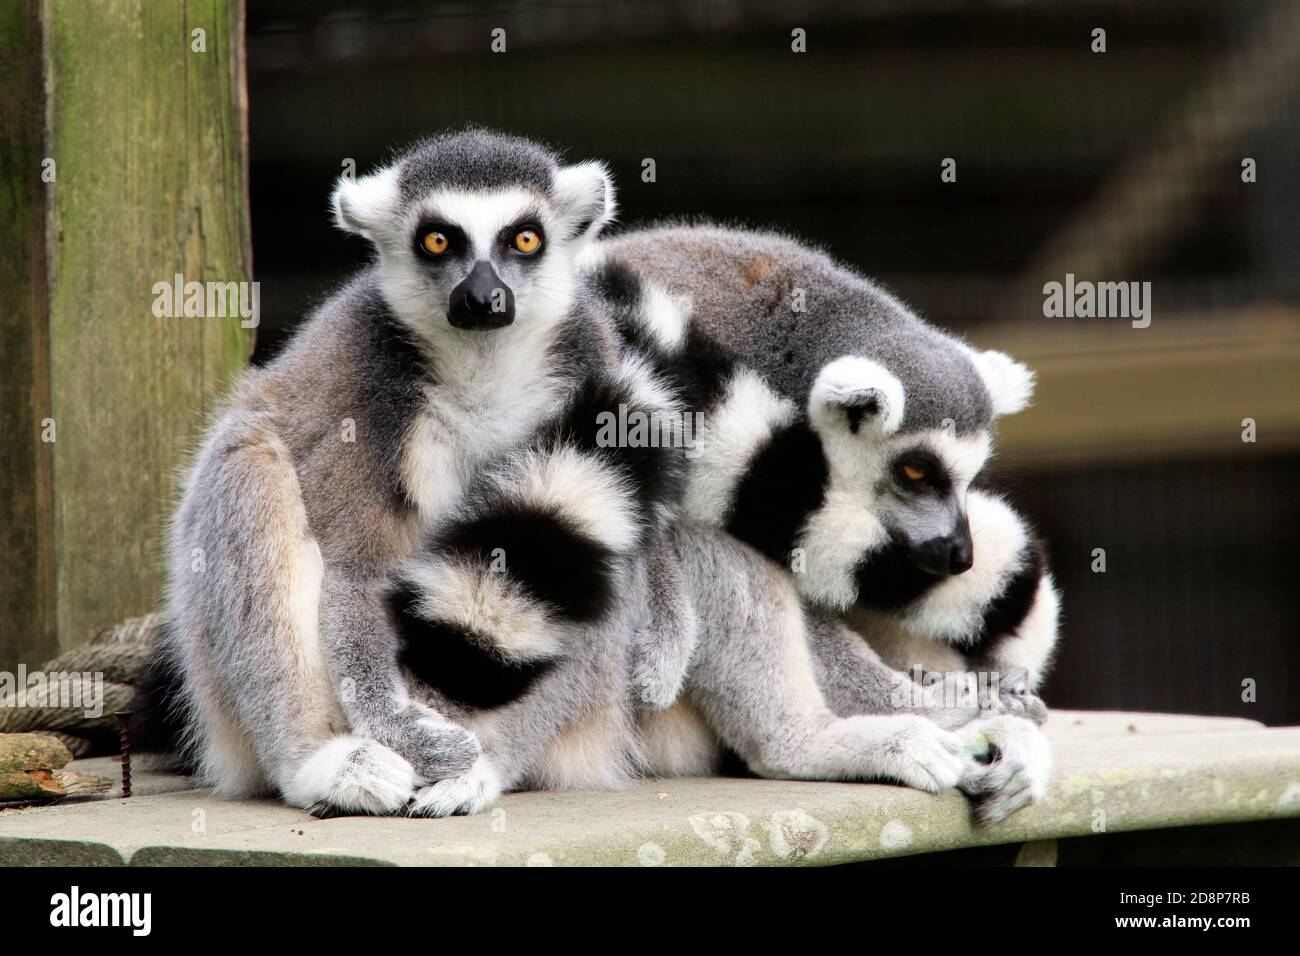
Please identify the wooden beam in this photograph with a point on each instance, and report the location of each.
(27, 612)
(1110, 393)
(145, 122)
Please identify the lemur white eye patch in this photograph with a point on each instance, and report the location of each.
(482, 215)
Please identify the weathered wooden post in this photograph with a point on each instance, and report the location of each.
(122, 165)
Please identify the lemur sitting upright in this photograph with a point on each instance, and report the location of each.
(843, 435)
(323, 469)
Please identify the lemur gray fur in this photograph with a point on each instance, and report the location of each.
(833, 393)
(327, 468)
(809, 440)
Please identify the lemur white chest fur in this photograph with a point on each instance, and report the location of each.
(489, 398)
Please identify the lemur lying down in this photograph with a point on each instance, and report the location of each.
(843, 444)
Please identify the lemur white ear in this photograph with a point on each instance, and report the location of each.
(584, 193)
(1010, 384)
(857, 394)
(361, 205)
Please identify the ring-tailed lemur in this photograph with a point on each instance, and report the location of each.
(842, 438)
(845, 435)
(325, 466)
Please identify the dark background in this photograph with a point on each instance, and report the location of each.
(842, 146)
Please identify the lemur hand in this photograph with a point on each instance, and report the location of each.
(1013, 765)
(435, 747)
(1014, 698)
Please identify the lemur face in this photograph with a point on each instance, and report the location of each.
(893, 519)
(477, 232)
(920, 497)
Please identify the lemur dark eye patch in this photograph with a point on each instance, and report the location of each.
(435, 238)
(524, 224)
(919, 469)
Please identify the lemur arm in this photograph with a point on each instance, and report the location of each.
(856, 681)
(361, 646)
(754, 680)
(999, 620)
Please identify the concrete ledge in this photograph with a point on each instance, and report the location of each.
(1120, 772)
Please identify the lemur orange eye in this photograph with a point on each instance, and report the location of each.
(435, 243)
(527, 241)
(915, 473)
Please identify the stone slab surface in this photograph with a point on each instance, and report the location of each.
(1119, 771)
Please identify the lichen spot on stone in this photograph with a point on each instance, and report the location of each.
(895, 835)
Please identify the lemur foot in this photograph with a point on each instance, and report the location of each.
(434, 746)
(458, 796)
(1014, 699)
(1014, 763)
(918, 753)
(352, 775)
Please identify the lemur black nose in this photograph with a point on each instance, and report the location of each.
(961, 549)
(933, 556)
(961, 557)
(481, 300)
(944, 556)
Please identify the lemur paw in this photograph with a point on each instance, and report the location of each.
(457, 796)
(351, 775)
(435, 747)
(1015, 763)
(655, 691)
(1013, 698)
(946, 700)
(920, 754)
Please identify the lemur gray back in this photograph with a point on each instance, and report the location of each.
(745, 288)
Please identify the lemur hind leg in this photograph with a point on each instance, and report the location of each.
(755, 682)
(246, 582)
